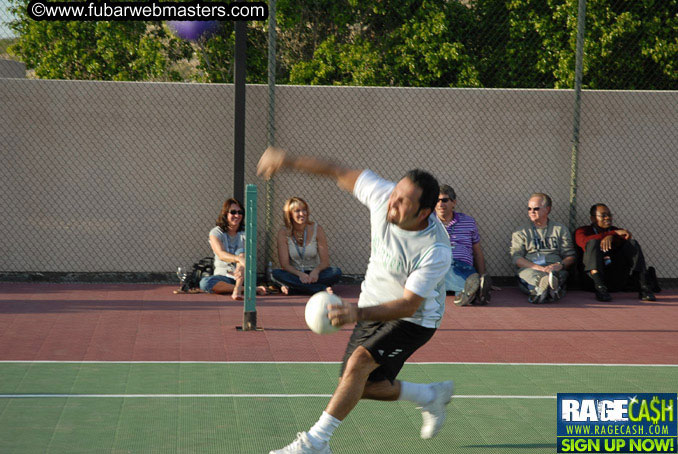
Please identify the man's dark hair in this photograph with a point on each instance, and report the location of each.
(594, 208)
(429, 188)
(448, 191)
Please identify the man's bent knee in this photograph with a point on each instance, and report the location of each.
(360, 362)
(633, 243)
(592, 246)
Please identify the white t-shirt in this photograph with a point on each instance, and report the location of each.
(402, 259)
(235, 246)
(305, 257)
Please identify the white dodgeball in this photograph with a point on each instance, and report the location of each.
(316, 312)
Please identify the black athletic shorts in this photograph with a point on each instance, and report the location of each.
(390, 344)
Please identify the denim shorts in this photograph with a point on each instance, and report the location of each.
(457, 274)
(207, 283)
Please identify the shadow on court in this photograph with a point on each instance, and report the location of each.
(148, 322)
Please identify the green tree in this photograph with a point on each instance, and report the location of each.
(94, 50)
(631, 45)
(532, 43)
(407, 43)
(305, 25)
(131, 50)
(432, 48)
(216, 60)
(514, 42)
(438, 43)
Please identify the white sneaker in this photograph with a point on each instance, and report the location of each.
(540, 293)
(484, 291)
(302, 445)
(471, 285)
(435, 413)
(554, 286)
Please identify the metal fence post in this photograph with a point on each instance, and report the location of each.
(240, 104)
(249, 322)
(272, 37)
(579, 64)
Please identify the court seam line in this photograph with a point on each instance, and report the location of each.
(37, 396)
(333, 362)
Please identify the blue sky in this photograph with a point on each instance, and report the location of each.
(5, 32)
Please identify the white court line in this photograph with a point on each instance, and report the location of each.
(284, 396)
(336, 362)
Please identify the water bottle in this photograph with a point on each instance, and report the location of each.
(269, 273)
(181, 274)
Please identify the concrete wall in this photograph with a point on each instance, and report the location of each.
(12, 69)
(105, 176)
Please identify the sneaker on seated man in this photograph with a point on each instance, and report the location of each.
(610, 254)
(466, 276)
(542, 251)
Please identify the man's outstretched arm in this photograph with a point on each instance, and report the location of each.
(275, 159)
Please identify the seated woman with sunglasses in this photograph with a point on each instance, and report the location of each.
(303, 253)
(228, 244)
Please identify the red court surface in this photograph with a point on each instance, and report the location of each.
(144, 322)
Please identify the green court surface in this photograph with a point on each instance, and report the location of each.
(255, 407)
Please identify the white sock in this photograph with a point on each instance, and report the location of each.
(322, 430)
(419, 393)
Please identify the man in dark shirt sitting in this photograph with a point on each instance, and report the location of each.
(610, 254)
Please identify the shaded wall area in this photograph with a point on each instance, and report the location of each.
(12, 69)
(129, 177)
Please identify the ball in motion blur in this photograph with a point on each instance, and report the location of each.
(194, 30)
(316, 312)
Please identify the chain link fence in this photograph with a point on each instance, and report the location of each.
(7, 35)
(129, 177)
(108, 176)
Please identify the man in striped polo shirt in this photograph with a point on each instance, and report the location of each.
(470, 283)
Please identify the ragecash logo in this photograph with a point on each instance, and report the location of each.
(606, 423)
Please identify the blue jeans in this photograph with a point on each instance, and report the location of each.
(457, 274)
(327, 277)
(207, 283)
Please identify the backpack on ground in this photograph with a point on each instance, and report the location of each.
(202, 268)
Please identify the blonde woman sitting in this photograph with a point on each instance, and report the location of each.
(303, 253)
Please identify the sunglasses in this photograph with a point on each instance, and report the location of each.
(234, 212)
(444, 199)
(533, 209)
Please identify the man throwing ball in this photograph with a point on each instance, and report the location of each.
(402, 298)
